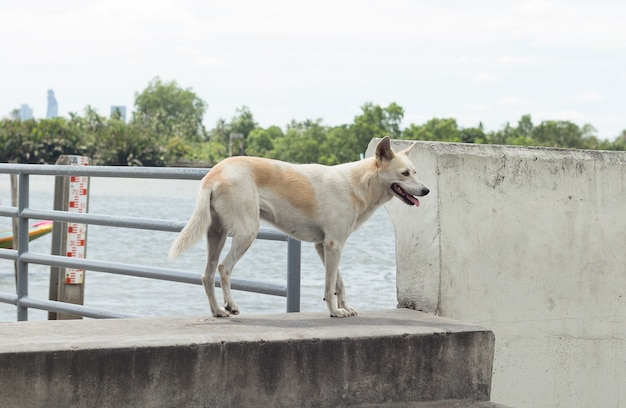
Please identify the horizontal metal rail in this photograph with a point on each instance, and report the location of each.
(61, 307)
(10, 254)
(23, 257)
(121, 221)
(142, 271)
(70, 308)
(168, 173)
(8, 298)
(8, 212)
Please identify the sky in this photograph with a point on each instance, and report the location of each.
(482, 61)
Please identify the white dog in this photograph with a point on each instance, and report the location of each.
(310, 202)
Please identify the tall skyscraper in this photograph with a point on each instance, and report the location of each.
(53, 106)
(118, 111)
(25, 112)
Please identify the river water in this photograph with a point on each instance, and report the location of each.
(367, 264)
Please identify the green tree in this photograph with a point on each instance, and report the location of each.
(303, 143)
(221, 131)
(260, 142)
(176, 148)
(243, 122)
(337, 149)
(510, 135)
(473, 135)
(13, 137)
(558, 134)
(436, 129)
(216, 151)
(39, 141)
(128, 145)
(170, 111)
(619, 143)
(375, 121)
(109, 141)
(392, 120)
(550, 133)
(524, 126)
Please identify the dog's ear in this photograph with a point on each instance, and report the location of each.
(408, 149)
(384, 152)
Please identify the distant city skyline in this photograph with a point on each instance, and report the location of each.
(26, 112)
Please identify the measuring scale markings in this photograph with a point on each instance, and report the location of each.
(76, 233)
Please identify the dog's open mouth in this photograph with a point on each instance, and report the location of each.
(406, 197)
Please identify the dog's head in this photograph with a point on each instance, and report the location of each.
(397, 172)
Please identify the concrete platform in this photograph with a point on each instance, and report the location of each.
(436, 404)
(386, 357)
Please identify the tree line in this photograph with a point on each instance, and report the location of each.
(167, 129)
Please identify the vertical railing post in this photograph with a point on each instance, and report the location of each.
(22, 245)
(69, 239)
(293, 274)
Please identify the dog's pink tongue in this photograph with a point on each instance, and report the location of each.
(414, 200)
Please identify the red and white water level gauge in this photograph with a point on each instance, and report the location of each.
(77, 233)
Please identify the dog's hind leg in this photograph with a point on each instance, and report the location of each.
(216, 237)
(239, 246)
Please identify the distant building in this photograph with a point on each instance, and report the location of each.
(53, 106)
(118, 112)
(25, 112)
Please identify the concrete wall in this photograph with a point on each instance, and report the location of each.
(394, 357)
(531, 243)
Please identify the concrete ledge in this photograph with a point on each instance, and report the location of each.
(436, 404)
(304, 360)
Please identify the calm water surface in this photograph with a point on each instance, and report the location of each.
(368, 260)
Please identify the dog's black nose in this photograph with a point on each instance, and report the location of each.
(425, 191)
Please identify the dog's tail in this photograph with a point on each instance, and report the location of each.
(197, 225)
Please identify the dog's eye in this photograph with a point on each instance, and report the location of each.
(405, 173)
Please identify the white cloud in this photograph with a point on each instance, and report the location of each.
(487, 78)
(533, 7)
(588, 96)
(513, 102)
(137, 11)
(568, 115)
(479, 107)
(567, 24)
(509, 60)
(209, 62)
(415, 118)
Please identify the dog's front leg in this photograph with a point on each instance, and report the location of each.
(334, 282)
(341, 295)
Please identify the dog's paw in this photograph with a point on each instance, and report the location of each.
(351, 310)
(233, 310)
(344, 312)
(221, 313)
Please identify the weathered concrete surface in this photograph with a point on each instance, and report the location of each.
(436, 404)
(287, 360)
(530, 243)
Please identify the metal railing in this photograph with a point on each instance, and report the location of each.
(23, 257)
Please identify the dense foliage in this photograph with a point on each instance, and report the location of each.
(167, 129)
